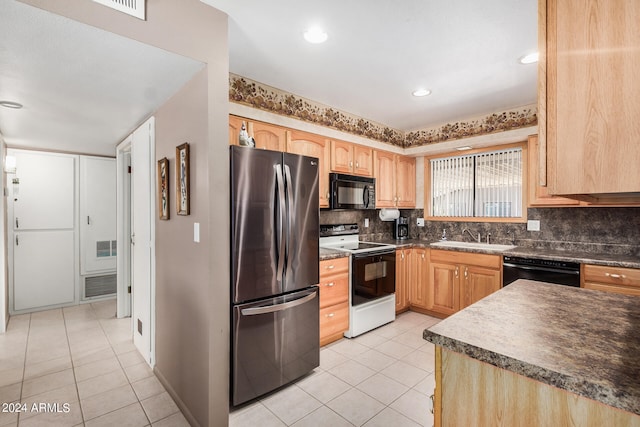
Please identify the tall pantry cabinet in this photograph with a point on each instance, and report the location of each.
(51, 252)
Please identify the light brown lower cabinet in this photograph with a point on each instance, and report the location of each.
(334, 299)
(404, 267)
(458, 279)
(610, 279)
(420, 278)
(473, 393)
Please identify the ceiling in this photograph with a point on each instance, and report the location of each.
(379, 51)
(83, 89)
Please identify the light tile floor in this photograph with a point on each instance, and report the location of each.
(381, 378)
(84, 357)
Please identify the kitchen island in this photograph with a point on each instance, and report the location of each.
(539, 354)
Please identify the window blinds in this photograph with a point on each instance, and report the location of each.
(479, 185)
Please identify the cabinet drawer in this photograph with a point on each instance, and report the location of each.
(334, 319)
(334, 266)
(466, 258)
(612, 275)
(625, 290)
(334, 290)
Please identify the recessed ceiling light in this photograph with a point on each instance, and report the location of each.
(421, 92)
(315, 35)
(10, 104)
(466, 147)
(529, 59)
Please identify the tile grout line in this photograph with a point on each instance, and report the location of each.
(121, 367)
(73, 367)
(24, 368)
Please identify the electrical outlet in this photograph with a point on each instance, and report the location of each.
(533, 225)
(420, 222)
(366, 223)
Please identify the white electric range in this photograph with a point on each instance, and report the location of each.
(372, 278)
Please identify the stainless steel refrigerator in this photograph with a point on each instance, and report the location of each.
(274, 270)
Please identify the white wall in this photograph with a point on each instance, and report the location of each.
(4, 294)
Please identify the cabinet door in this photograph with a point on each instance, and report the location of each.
(363, 160)
(444, 285)
(235, 124)
(385, 175)
(308, 144)
(477, 283)
(539, 195)
(97, 214)
(420, 279)
(44, 197)
(44, 268)
(341, 157)
(592, 96)
(268, 137)
(406, 182)
(403, 267)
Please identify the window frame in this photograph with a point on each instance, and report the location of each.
(525, 184)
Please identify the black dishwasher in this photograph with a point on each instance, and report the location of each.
(542, 270)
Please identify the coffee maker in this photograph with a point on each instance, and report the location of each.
(401, 228)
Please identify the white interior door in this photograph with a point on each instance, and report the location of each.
(142, 230)
(98, 246)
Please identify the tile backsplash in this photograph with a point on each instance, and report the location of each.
(591, 230)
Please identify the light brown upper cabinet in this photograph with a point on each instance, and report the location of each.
(539, 195)
(589, 97)
(351, 158)
(266, 136)
(235, 124)
(395, 180)
(308, 144)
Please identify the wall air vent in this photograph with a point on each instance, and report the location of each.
(130, 7)
(99, 286)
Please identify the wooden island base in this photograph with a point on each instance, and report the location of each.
(474, 393)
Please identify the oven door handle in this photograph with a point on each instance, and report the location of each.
(550, 270)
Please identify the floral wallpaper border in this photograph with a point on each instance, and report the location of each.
(258, 95)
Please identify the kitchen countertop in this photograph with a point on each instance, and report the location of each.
(327, 253)
(557, 335)
(612, 260)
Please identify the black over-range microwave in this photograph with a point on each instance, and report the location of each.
(352, 192)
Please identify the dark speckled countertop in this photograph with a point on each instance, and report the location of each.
(582, 257)
(586, 342)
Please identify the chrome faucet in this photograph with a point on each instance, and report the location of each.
(477, 239)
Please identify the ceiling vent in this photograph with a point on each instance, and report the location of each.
(130, 7)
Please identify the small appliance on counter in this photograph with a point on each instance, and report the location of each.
(401, 228)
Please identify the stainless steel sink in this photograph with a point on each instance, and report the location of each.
(472, 245)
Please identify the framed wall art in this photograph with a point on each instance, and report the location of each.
(163, 188)
(182, 179)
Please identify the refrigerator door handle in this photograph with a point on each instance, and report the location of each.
(278, 307)
(289, 183)
(280, 236)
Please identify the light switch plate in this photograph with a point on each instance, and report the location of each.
(420, 222)
(366, 223)
(196, 232)
(533, 225)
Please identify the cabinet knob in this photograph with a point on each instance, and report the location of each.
(330, 284)
(466, 272)
(350, 164)
(422, 256)
(432, 403)
(357, 165)
(402, 255)
(456, 272)
(330, 267)
(615, 276)
(330, 314)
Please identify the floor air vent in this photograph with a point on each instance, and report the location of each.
(130, 7)
(98, 286)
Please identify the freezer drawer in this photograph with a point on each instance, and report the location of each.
(274, 341)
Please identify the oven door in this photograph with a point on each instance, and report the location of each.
(373, 276)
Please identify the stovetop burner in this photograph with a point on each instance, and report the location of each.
(344, 237)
